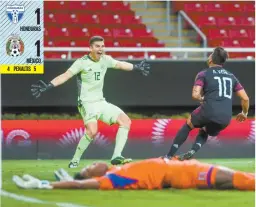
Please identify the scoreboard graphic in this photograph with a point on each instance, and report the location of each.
(21, 37)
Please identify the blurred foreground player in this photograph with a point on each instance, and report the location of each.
(148, 174)
(213, 88)
(90, 71)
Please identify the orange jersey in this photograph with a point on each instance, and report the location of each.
(156, 174)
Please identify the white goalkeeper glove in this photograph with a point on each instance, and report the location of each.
(30, 182)
(62, 175)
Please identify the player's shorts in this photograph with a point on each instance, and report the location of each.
(200, 120)
(206, 176)
(101, 110)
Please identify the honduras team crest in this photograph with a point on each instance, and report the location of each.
(14, 46)
(15, 12)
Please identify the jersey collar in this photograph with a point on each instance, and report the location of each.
(89, 57)
(216, 66)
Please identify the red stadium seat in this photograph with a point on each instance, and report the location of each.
(251, 33)
(208, 21)
(249, 21)
(238, 33)
(79, 32)
(57, 32)
(227, 24)
(105, 32)
(142, 33)
(226, 21)
(56, 5)
(213, 7)
(73, 23)
(195, 7)
(106, 19)
(87, 19)
(249, 7)
(248, 43)
(234, 7)
(217, 34)
(78, 5)
(121, 33)
(129, 42)
(230, 43)
(56, 55)
(130, 19)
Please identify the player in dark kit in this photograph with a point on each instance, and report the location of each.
(213, 88)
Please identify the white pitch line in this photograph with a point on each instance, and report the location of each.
(35, 200)
(233, 162)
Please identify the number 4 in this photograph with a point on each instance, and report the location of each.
(223, 91)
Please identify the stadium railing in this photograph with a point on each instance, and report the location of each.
(146, 50)
(183, 15)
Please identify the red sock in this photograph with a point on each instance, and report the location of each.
(244, 181)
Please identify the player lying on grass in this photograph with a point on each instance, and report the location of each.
(90, 71)
(148, 174)
(213, 88)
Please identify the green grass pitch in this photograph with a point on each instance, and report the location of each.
(43, 169)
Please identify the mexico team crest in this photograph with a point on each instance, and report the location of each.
(14, 46)
(15, 13)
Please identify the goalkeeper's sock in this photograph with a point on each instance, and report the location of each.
(179, 139)
(81, 147)
(200, 140)
(121, 138)
(243, 181)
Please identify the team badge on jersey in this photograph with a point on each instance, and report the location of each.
(15, 13)
(14, 46)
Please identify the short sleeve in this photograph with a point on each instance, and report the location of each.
(76, 67)
(105, 183)
(200, 79)
(111, 62)
(237, 85)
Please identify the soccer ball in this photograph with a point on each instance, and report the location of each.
(15, 52)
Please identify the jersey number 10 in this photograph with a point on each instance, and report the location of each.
(225, 89)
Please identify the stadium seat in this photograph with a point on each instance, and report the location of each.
(226, 21)
(55, 5)
(251, 33)
(130, 19)
(232, 8)
(249, 7)
(67, 24)
(102, 6)
(56, 55)
(142, 33)
(130, 42)
(106, 19)
(208, 21)
(122, 33)
(195, 7)
(217, 34)
(249, 21)
(238, 33)
(227, 24)
(248, 43)
(57, 32)
(213, 7)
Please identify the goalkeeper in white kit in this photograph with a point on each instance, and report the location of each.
(90, 71)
